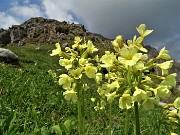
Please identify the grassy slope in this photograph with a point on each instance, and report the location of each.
(38, 102)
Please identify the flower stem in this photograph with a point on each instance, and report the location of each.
(126, 130)
(80, 92)
(110, 118)
(137, 124)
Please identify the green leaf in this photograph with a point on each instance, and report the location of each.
(9, 120)
(57, 129)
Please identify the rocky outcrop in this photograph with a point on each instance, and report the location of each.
(41, 30)
(8, 56)
(5, 36)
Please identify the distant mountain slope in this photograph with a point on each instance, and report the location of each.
(40, 30)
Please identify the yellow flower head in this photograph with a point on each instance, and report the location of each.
(70, 95)
(53, 74)
(129, 56)
(98, 78)
(93, 99)
(111, 96)
(177, 103)
(76, 73)
(169, 81)
(114, 85)
(90, 47)
(142, 30)
(57, 51)
(137, 43)
(172, 113)
(163, 54)
(65, 81)
(83, 61)
(139, 95)
(149, 103)
(108, 59)
(162, 92)
(77, 40)
(66, 63)
(165, 65)
(90, 71)
(118, 43)
(125, 101)
(173, 133)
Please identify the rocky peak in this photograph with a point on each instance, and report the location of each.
(41, 30)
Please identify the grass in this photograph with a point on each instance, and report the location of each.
(31, 103)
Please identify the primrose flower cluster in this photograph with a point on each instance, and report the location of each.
(129, 78)
(77, 63)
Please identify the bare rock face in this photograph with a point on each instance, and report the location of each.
(8, 56)
(41, 30)
(5, 36)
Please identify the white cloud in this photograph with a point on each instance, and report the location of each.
(59, 10)
(7, 20)
(26, 11)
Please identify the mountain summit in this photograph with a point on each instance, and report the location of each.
(41, 30)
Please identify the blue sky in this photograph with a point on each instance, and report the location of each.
(107, 17)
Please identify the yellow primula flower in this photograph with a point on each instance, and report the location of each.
(177, 103)
(77, 40)
(111, 75)
(103, 104)
(100, 91)
(170, 80)
(142, 30)
(98, 78)
(57, 51)
(118, 43)
(144, 57)
(172, 113)
(93, 99)
(125, 101)
(129, 56)
(173, 133)
(147, 80)
(111, 96)
(149, 103)
(114, 85)
(90, 47)
(108, 59)
(65, 81)
(66, 63)
(139, 66)
(165, 65)
(70, 95)
(161, 92)
(137, 43)
(139, 95)
(178, 113)
(90, 71)
(53, 74)
(163, 54)
(83, 61)
(76, 73)
(83, 46)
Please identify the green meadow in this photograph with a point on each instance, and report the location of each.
(32, 102)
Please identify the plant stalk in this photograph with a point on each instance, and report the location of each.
(80, 92)
(137, 124)
(126, 129)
